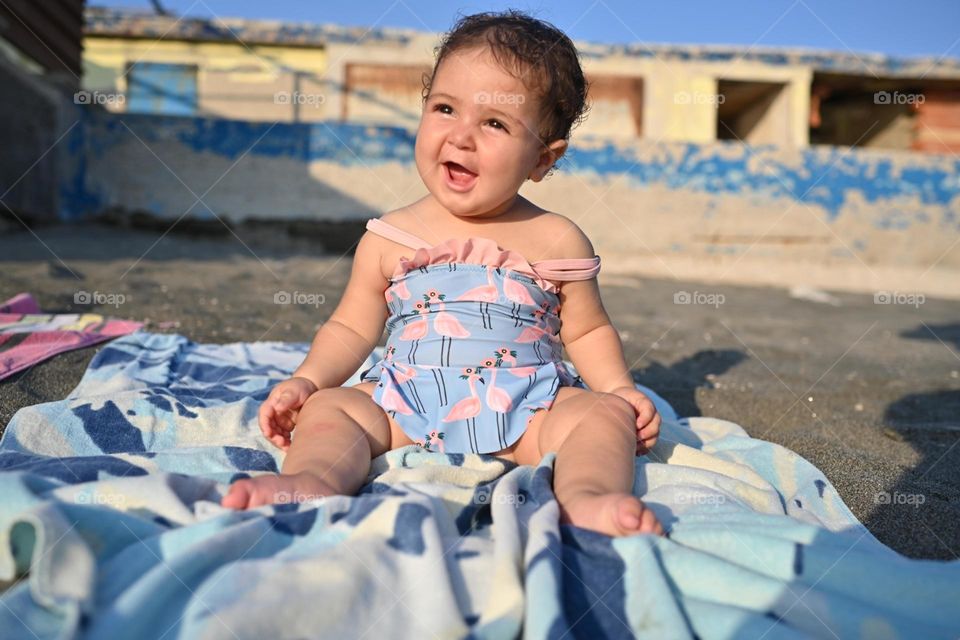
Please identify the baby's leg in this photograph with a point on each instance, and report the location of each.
(338, 432)
(595, 438)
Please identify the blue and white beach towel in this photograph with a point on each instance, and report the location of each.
(110, 527)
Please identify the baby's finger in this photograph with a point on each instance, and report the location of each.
(269, 428)
(285, 400)
(275, 424)
(649, 430)
(265, 418)
(284, 420)
(646, 410)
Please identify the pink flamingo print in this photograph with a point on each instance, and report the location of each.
(391, 400)
(486, 293)
(416, 330)
(445, 323)
(536, 332)
(404, 375)
(399, 291)
(504, 353)
(516, 293)
(498, 400)
(404, 372)
(531, 334)
(544, 404)
(469, 408)
(435, 439)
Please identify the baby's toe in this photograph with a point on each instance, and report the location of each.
(266, 490)
(630, 515)
(649, 522)
(238, 495)
(635, 517)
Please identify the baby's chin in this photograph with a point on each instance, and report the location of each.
(473, 211)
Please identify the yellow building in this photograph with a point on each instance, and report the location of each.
(282, 72)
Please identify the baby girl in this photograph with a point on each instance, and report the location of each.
(474, 356)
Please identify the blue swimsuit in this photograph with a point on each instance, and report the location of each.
(474, 341)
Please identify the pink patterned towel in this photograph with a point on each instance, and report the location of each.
(28, 336)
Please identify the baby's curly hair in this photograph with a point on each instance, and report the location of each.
(534, 51)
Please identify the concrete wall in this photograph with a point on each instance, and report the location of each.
(821, 216)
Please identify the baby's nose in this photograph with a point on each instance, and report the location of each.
(461, 137)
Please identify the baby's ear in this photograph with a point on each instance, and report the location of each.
(548, 157)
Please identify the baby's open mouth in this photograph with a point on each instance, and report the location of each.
(459, 174)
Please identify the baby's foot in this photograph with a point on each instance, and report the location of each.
(276, 489)
(614, 514)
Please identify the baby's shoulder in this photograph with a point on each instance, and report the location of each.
(565, 236)
(385, 250)
(396, 218)
(406, 219)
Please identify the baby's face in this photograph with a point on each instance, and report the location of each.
(477, 141)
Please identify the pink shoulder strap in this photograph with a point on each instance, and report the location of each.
(391, 232)
(566, 269)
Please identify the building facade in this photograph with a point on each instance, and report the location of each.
(274, 71)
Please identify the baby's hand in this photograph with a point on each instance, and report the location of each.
(278, 413)
(648, 420)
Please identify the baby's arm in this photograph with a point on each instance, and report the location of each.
(594, 346)
(590, 339)
(347, 338)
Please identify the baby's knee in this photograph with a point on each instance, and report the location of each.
(618, 412)
(333, 400)
(621, 411)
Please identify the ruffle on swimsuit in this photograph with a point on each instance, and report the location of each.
(462, 312)
(478, 250)
(481, 251)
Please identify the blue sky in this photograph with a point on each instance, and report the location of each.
(892, 27)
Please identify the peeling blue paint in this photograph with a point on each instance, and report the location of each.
(348, 144)
(823, 176)
(826, 177)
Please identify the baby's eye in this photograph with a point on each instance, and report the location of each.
(498, 125)
(442, 108)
